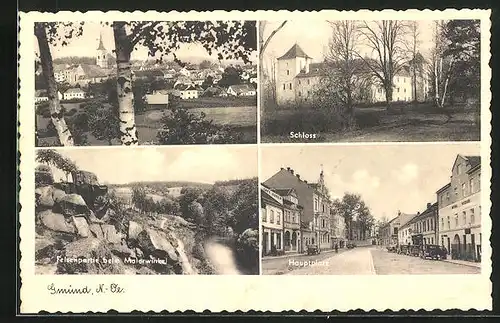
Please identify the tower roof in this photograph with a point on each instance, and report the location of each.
(294, 52)
(101, 45)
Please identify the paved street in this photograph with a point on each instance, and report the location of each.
(361, 261)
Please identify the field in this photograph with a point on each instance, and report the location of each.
(218, 102)
(404, 122)
(242, 118)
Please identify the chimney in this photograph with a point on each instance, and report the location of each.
(418, 213)
(399, 213)
(288, 168)
(305, 181)
(429, 205)
(298, 176)
(291, 171)
(282, 168)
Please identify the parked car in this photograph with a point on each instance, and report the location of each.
(404, 250)
(433, 252)
(392, 248)
(313, 250)
(351, 245)
(415, 250)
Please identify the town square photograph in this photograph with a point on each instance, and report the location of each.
(147, 211)
(145, 83)
(371, 209)
(370, 80)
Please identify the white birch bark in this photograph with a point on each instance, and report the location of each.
(56, 113)
(123, 48)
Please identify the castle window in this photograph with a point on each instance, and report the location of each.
(287, 72)
(308, 82)
(290, 86)
(299, 82)
(284, 86)
(300, 94)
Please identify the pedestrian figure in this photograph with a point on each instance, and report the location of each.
(336, 248)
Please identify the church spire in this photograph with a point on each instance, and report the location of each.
(101, 45)
(321, 176)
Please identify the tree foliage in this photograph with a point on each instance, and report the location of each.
(183, 127)
(53, 158)
(355, 213)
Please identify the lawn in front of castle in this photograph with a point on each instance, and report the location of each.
(375, 123)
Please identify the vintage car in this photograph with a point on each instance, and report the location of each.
(404, 250)
(392, 248)
(313, 249)
(415, 250)
(351, 245)
(433, 252)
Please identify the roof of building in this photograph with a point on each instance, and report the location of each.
(40, 93)
(269, 199)
(241, 88)
(184, 87)
(473, 160)
(93, 71)
(74, 90)
(284, 191)
(293, 52)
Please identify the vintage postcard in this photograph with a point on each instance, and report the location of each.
(202, 160)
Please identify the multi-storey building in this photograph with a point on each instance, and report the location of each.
(313, 197)
(272, 221)
(337, 229)
(404, 229)
(459, 209)
(423, 228)
(291, 220)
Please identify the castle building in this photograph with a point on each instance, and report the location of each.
(459, 210)
(297, 78)
(101, 55)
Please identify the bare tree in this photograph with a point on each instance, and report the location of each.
(263, 43)
(343, 73)
(441, 66)
(414, 45)
(387, 41)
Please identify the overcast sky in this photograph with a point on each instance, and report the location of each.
(313, 37)
(388, 177)
(206, 164)
(87, 43)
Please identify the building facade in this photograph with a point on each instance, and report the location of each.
(424, 227)
(338, 229)
(297, 78)
(292, 239)
(459, 210)
(313, 197)
(272, 221)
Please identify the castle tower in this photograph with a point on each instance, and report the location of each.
(289, 66)
(101, 55)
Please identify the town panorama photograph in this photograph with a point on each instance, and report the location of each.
(145, 83)
(376, 80)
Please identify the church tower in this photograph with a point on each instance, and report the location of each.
(101, 55)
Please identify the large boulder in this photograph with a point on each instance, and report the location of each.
(88, 256)
(45, 247)
(43, 176)
(155, 243)
(122, 251)
(82, 227)
(110, 233)
(55, 222)
(134, 229)
(73, 204)
(96, 230)
(58, 195)
(43, 197)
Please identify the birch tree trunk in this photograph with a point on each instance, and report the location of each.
(126, 115)
(56, 113)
